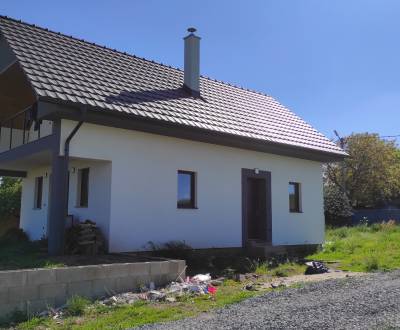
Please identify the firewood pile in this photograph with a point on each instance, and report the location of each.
(84, 238)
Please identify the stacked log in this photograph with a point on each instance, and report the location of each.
(85, 238)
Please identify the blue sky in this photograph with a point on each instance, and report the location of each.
(334, 63)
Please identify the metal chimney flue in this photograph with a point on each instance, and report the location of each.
(192, 62)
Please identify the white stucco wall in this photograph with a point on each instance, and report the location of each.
(98, 209)
(34, 221)
(144, 189)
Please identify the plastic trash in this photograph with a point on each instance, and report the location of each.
(315, 267)
(201, 278)
(212, 289)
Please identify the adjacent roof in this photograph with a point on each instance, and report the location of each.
(64, 68)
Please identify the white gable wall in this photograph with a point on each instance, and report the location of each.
(144, 189)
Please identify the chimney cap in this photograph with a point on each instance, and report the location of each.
(191, 30)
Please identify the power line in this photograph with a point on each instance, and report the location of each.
(390, 136)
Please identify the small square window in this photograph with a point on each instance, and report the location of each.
(294, 197)
(83, 187)
(38, 192)
(186, 190)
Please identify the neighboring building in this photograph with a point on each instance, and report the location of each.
(150, 152)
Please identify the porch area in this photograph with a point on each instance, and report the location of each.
(55, 188)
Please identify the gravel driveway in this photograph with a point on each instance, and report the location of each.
(367, 302)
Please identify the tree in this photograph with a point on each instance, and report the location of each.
(336, 205)
(370, 176)
(10, 196)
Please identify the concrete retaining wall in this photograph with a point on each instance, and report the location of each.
(33, 290)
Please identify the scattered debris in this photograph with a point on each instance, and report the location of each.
(315, 267)
(170, 299)
(278, 285)
(121, 299)
(250, 287)
(201, 278)
(200, 284)
(211, 289)
(239, 277)
(217, 282)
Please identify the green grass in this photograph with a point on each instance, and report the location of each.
(281, 270)
(362, 248)
(285, 269)
(96, 316)
(19, 255)
(76, 305)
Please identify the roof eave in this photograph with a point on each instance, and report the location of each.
(50, 108)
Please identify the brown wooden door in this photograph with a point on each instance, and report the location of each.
(256, 209)
(256, 206)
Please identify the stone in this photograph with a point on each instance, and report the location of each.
(13, 278)
(40, 276)
(83, 289)
(52, 291)
(23, 293)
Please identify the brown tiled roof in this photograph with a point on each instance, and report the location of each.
(65, 68)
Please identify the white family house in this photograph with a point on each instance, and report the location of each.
(150, 152)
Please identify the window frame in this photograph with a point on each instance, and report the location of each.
(193, 180)
(79, 202)
(38, 194)
(297, 194)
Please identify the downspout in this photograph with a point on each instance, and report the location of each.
(68, 141)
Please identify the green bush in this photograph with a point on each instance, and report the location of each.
(336, 206)
(371, 264)
(14, 235)
(342, 232)
(76, 305)
(171, 249)
(10, 196)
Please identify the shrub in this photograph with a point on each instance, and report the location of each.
(371, 264)
(76, 305)
(171, 249)
(257, 266)
(14, 235)
(337, 206)
(281, 272)
(388, 226)
(342, 232)
(10, 196)
(376, 227)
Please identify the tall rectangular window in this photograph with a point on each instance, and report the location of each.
(186, 190)
(83, 187)
(294, 197)
(38, 192)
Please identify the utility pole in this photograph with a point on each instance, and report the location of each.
(343, 170)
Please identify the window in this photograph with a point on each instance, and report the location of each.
(83, 187)
(38, 192)
(186, 190)
(294, 197)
